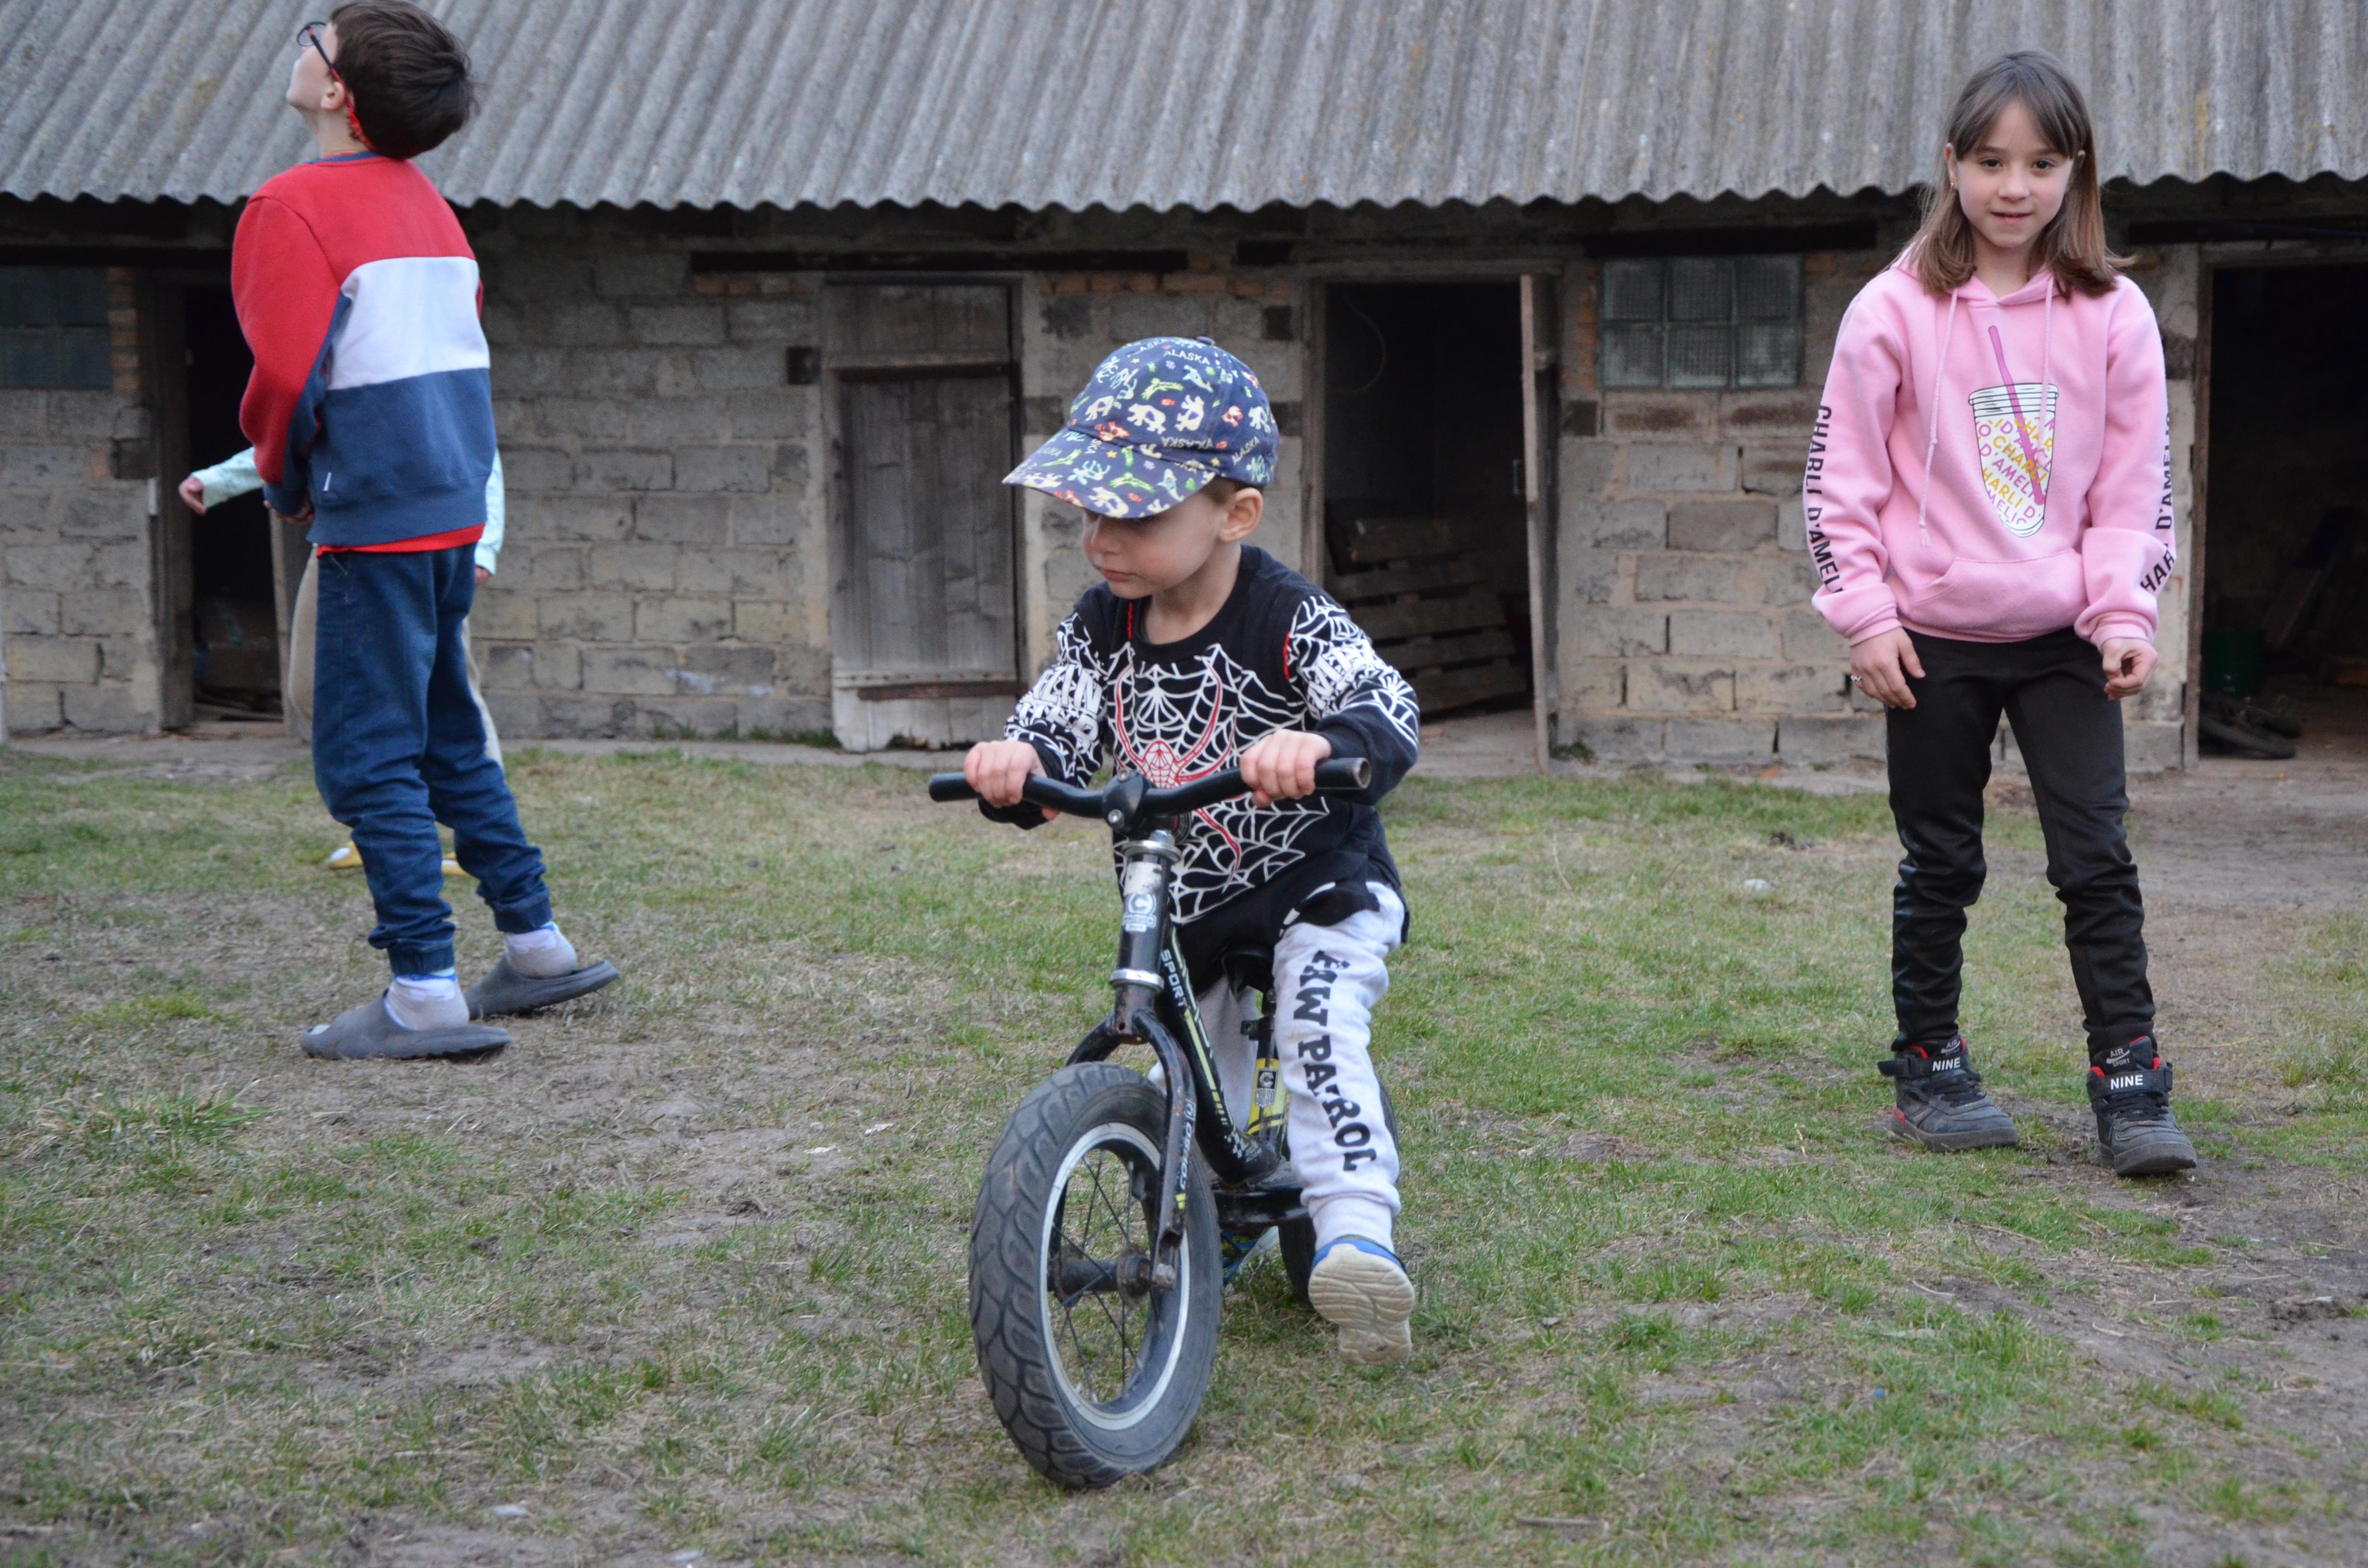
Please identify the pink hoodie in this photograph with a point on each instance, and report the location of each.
(1991, 470)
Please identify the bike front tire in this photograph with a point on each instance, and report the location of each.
(1093, 1382)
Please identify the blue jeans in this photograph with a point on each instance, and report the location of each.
(398, 745)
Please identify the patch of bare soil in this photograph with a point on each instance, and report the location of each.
(410, 1544)
(2234, 857)
(2267, 1337)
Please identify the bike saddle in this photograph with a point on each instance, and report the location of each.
(1247, 968)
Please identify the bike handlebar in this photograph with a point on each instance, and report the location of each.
(1129, 800)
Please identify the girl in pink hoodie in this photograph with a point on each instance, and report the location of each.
(1989, 505)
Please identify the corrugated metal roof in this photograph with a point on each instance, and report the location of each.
(1186, 103)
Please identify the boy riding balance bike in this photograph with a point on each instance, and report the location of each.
(1250, 727)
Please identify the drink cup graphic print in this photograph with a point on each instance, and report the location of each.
(2014, 429)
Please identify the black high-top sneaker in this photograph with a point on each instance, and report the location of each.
(1937, 1098)
(2130, 1091)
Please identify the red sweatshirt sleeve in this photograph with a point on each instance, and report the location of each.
(1849, 478)
(286, 293)
(2127, 552)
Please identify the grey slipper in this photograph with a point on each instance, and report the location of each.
(370, 1032)
(507, 991)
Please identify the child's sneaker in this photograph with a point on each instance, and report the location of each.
(2130, 1091)
(1937, 1099)
(1362, 1286)
(346, 858)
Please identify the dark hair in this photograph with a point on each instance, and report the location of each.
(408, 75)
(2073, 243)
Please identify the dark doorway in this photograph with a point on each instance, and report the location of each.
(2285, 559)
(1425, 519)
(235, 620)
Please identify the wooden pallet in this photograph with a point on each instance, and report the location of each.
(1414, 587)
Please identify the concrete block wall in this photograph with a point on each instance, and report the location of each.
(77, 622)
(663, 571)
(667, 566)
(1069, 321)
(2154, 722)
(1683, 618)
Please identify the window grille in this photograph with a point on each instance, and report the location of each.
(54, 328)
(1702, 322)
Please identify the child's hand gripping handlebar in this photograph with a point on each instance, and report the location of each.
(1123, 803)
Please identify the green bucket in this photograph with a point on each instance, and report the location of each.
(2232, 661)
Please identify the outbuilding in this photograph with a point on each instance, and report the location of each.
(1542, 291)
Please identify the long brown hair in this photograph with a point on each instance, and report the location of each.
(2073, 245)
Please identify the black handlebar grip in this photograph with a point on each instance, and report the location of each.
(1344, 774)
(1045, 790)
(950, 787)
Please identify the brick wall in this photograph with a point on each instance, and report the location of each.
(1684, 625)
(664, 569)
(76, 563)
(1069, 321)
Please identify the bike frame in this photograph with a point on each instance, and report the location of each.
(1153, 1004)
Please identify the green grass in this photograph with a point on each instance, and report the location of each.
(683, 1269)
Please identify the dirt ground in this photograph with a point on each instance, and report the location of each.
(2237, 858)
(2231, 852)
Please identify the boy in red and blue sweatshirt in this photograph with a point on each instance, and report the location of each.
(371, 413)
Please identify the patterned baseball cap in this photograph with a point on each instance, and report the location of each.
(1161, 418)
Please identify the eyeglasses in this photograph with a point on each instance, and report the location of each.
(309, 33)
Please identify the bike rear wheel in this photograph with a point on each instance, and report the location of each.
(1095, 1372)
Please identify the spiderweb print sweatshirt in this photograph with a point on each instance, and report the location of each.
(1280, 654)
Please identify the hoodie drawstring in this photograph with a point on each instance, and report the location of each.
(1933, 418)
(2047, 381)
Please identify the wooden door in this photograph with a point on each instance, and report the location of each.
(924, 605)
(166, 349)
(1538, 435)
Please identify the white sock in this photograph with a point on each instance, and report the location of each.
(1351, 1214)
(427, 1001)
(540, 955)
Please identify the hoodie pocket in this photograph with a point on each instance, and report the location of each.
(2003, 598)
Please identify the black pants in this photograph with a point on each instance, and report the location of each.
(2051, 689)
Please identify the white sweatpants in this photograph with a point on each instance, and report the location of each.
(1327, 980)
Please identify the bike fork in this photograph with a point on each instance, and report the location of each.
(1150, 969)
(1148, 865)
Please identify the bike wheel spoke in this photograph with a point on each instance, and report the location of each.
(1116, 1320)
(1069, 1322)
(1118, 1224)
(1104, 1344)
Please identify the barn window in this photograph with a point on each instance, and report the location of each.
(1690, 321)
(54, 328)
